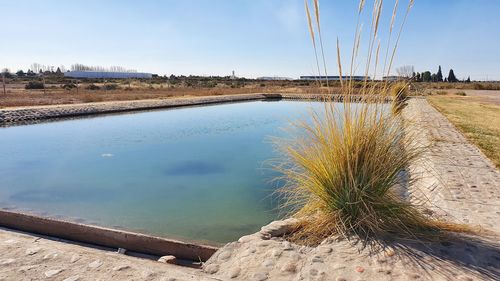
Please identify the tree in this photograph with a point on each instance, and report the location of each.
(434, 77)
(6, 73)
(418, 77)
(20, 73)
(451, 77)
(405, 71)
(439, 75)
(468, 80)
(426, 76)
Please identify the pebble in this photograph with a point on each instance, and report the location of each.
(234, 272)
(268, 263)
(72, 278)
(211, 268)
(32, 251)
(340, 279)
(313, 272)
(317, 259)
(74, 258)
(225, 255)
(121, 251)
(360, 269)
(264, 243)
(276, 253)
(121, 267)
(289, 267)
(168, 259)
(382, 260)
(287, 246)
(50, 256)
(7, 261)
(325, 250)
(260, 276)
(390, 252)
(247, 238)
(52, 272)
(95, 264)
(26, 268)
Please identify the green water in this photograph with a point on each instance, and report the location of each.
(196, 173)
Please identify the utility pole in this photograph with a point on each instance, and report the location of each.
(3, 81)
(43, 79)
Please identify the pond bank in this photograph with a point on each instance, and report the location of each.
(35, 114)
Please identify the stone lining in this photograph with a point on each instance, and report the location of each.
(32, 115)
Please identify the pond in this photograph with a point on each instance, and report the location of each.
(195, 173)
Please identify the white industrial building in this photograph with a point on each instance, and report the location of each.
(334, 78)
(107, 75)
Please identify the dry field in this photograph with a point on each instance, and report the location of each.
(476, 115)
(17, 96)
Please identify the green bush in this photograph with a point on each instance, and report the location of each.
(34, 85)
(68, 86)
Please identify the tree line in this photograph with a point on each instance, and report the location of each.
(427, 76)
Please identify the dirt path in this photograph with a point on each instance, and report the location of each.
(29, 257)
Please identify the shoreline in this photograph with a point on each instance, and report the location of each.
(32, 115)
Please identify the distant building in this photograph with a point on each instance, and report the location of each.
(107, 75)
(334, 78)
(274, 78)
(392, 78)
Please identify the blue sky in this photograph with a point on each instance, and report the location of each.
(253, 37)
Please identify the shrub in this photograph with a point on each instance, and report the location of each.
(461, 94)
(34, 85)
(68, 86)
(110, 87)
(93, 87)
(441, 92)
(342, 168)
(399, 91)
(478, 86)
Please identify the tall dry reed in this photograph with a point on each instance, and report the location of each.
(344, 172)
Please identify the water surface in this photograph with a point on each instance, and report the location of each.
(196, 173)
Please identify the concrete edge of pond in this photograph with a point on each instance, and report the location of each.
(106, 237)
(36, 114)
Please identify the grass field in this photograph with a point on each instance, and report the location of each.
(478, 120)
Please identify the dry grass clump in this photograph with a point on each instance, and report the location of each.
(399, 91)
(345, 169)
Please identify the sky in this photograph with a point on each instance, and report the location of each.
(252, 37)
